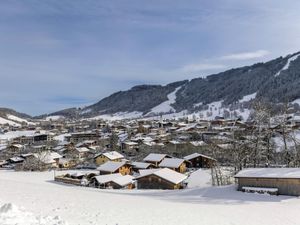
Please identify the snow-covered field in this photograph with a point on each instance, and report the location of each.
(33, 196)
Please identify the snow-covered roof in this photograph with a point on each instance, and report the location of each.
(47, 157)
(198, 143)
(140, 165)
(166, 174)
(130, 143)
(26, 155)
(171, 162)
(116, 178)
(112, 155)
(16, 159)
(17, 145)
(82, 149)
(124, 180)
(102, 179)
(154, 157)
(111, 166)
(146, 172)
(269, 173)
(194, 155)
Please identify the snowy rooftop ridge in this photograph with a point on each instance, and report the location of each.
(155, 157)
(111, 166)
(102, 179)
(196, 154)
(171, 162)
(111, 155)
(269, 173)
(165, 173)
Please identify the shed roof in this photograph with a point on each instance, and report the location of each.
(269, 173)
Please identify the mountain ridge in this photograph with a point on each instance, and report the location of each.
(276, 81)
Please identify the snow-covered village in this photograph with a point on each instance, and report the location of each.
(149, 112)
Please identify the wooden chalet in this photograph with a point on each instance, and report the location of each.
(110, 167)
(113, 156)
(179, 165)
(198, 160)
(160, 179)
(155, 158)
(113, 181)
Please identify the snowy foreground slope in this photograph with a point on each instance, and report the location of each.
(62, 204)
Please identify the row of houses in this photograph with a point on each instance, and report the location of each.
(156, 171)
(159, 178)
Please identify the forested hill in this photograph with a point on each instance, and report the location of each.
(276, 81)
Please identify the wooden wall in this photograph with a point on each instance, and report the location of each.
(286, 186)
(155, 182)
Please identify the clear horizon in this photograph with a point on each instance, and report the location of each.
(61, 54)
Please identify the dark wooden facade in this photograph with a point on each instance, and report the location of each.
(153, 181)
(286, 186)
(201, 162)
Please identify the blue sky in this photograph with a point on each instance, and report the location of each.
(63, 53)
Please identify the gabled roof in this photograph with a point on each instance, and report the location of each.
(124, 180)
(47, 157)
(140, 165)
(166, 174)
(171, 162)
(146, 172)
(111, 155)
(195, 155)
(102, 179)
(17, 145)
(83, 149)
(111, 166)
(16, 159)
(154, 157)
(269, 173)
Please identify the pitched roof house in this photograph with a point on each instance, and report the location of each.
(176, 164)
(108, 156)
(155, 158)
(198, 160)
(115, 167)
(160, 179)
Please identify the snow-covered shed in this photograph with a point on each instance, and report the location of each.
(286, 180)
